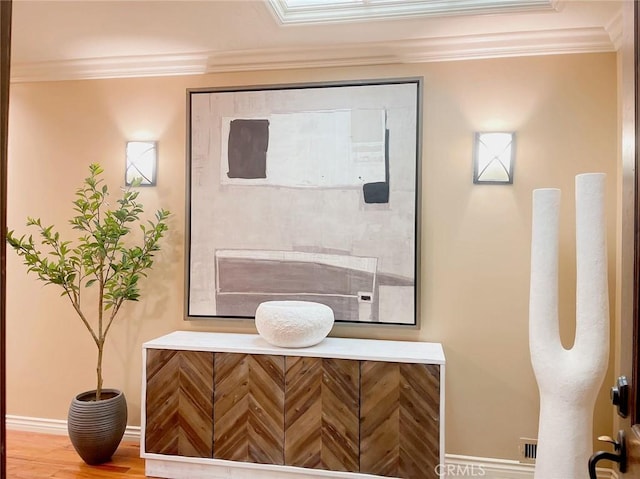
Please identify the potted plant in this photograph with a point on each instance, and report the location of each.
(106, 256)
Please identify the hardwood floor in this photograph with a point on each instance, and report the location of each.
(39, 456)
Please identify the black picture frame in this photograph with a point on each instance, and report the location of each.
(305, 192)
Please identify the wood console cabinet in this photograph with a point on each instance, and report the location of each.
(219, 405)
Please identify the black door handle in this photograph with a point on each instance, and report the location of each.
(620, 446)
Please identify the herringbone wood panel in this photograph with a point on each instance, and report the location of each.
(179, 403)
(375, 417)
(322, 413)
(249, 408)
(399, 421)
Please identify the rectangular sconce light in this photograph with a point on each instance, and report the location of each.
(493, 158)
(141, 162)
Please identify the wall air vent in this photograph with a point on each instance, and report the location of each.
(528, 449)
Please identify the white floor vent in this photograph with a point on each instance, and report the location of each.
(528, 449)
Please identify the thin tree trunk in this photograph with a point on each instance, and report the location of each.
(99, 371)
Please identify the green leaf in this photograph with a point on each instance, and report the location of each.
(103, 251)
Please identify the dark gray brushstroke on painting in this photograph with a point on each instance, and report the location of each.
(274, 276)
(377, 192)
(244, 283)
(344, 308)
(247, 148)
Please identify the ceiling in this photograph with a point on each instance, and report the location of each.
(61, 40)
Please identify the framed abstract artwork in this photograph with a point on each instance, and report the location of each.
(305, 192)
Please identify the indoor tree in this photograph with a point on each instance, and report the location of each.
(105, 255)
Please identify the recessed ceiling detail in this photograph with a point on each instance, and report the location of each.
(334, 11)
(64, 40)
(582, 40)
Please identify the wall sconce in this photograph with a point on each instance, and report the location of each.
(493, 158)
(141, 162)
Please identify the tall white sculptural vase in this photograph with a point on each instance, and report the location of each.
(568, 379)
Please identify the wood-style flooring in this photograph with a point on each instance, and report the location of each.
(40, 456)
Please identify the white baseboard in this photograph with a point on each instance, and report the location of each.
(469, 467)
(487, 468)
(56, 426)
(457, 466)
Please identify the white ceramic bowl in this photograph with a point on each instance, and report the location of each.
(293, 324)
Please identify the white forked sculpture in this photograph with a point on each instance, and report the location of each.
(568, 380)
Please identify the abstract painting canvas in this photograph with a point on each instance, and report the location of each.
(305, 192)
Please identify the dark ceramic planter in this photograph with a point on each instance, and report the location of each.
(96, 427)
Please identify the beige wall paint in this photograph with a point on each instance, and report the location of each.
(475, 242)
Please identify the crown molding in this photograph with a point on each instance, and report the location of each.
(112, 67)
(614, 28)
(566, 41)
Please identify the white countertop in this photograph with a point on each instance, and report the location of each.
(339, 348)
